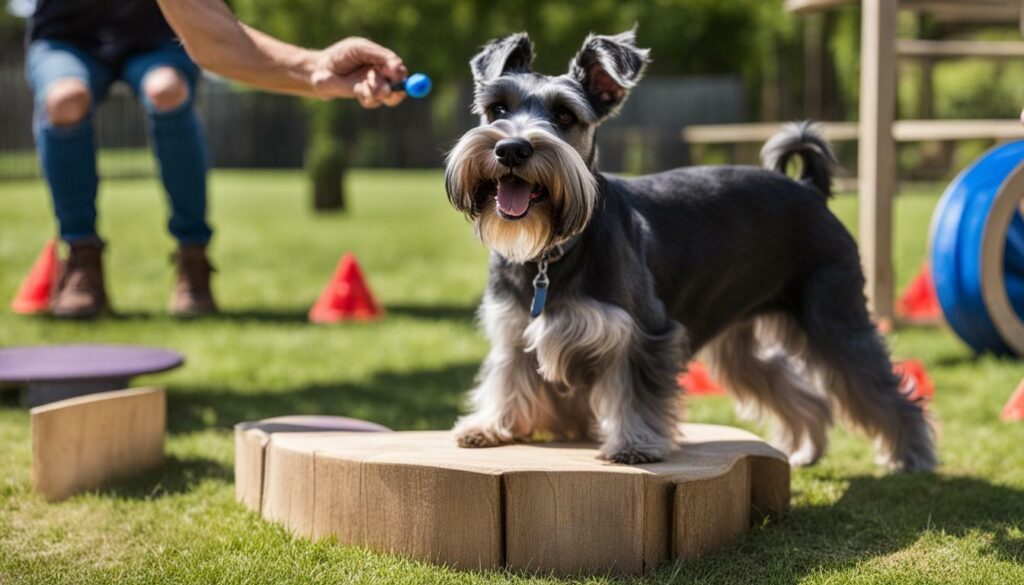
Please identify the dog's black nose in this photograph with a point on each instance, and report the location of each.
(513, 152)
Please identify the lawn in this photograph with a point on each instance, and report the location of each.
(850, 521)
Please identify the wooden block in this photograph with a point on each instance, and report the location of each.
(389, 495)
(769, 486)
(251, 440)
(83, 443)
(550, 508)
(288, 489)
(574, 521)
(249, 447)
(447, 516)
(711, 513)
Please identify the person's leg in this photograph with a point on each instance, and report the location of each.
(165, 81)
(67, 82)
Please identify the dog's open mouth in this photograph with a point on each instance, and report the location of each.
(514, 196)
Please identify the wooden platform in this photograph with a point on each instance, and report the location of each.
(83, 443)
(542, 507)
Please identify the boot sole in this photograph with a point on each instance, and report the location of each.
(105, 310)
(193, 314)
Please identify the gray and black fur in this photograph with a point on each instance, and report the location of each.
(744, 265)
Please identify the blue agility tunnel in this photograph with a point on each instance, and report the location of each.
(977, 252)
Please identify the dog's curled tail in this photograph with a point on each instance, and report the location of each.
(803, 138)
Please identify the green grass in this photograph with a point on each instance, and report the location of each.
(850, 521)
(111, 162)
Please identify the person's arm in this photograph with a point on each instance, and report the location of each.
(351, 68)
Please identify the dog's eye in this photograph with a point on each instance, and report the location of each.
(564, 117)
(497, 110)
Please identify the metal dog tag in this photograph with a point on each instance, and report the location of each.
(540, 289)
(540, 296)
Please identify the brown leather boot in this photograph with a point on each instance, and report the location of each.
(81, 293)
(193, 296)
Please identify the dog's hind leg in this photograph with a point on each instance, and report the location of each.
(756, 363)
(510, 401)
(849, 360)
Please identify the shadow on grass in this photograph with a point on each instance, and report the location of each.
(175, 476)
(10, 396)
(875, 517)
(955, 360)
(299, 315)
(435, 312)
(418, 399)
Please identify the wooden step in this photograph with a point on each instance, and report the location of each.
(903, 131)
(946, 49)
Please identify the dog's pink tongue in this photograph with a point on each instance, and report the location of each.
(513, 196)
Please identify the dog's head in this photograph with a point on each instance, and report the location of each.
(525, 176)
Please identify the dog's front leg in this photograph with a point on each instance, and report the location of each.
(505, 402)
(637, 398)
(631, 374)
(509, 400)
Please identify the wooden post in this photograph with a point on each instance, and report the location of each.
(877, 157)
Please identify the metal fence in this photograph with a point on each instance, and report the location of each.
(248, 129)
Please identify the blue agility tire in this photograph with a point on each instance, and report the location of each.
(977, 252)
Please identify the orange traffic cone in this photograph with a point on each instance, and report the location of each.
(920, 303)
(698, 382)
(914, 380)
(1014, 409)
(35, 291)
(346, 297)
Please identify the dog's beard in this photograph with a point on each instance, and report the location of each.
(565, 189)
(518, 241)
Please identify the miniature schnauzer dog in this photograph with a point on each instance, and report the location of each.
(602, 288)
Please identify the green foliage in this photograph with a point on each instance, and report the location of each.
(843, 38)
(439, 36)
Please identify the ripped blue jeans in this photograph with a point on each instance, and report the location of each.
(68, 153)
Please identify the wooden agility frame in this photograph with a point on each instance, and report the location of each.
(878, 130)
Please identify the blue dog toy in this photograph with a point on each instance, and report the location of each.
(416, 85)
(977, 252)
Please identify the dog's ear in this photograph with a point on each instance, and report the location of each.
(510, 54)
(608, 67)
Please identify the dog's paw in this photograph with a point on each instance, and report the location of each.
(631, 456)
(477, 438)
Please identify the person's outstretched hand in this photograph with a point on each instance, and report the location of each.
(359, 68)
